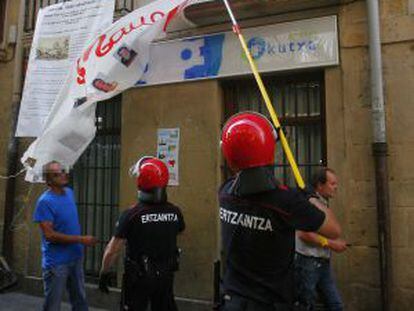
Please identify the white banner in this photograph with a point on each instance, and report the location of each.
(292, 45)
(111, 63)
(61, 33)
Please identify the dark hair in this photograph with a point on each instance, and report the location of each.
(319, 177)
(46, 170)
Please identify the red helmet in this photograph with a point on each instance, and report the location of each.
(248, 140)
(151, 173)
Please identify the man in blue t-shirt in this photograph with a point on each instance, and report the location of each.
(62, 243)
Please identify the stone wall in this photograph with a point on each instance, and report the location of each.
(196, 109)
(358, 268)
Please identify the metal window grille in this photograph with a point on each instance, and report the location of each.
(299, 104)
(96, 182)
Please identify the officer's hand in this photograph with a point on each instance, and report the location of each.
(104, 282)
(337, 245)
(88, 240)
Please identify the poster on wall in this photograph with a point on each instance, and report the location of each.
(61, 33)
(168, 145)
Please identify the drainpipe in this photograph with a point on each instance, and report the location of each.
(12, 148)
(380, 147)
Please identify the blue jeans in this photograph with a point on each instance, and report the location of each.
(55, 280)
(314, 275)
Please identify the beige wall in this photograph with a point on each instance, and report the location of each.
(196, 109)
(6, 84)
(349, 151)
(26, 237)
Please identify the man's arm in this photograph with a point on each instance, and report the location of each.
(337, 245)
(56, 237)
(330, 227)
(111, 253)
(115, 245)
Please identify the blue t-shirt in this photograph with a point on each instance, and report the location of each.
(61, 210)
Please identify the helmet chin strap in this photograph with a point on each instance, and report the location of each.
(254, 180)
(156, 195)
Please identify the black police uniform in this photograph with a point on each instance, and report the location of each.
(150, 230)
(259, 219)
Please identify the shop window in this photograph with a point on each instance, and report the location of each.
(96, 182)
(299, 104)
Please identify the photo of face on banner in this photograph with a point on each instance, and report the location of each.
(125, 55)
(101, 83)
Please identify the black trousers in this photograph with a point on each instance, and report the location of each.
(234, 302)
(138, 293)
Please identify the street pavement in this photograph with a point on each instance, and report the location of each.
(15, 301)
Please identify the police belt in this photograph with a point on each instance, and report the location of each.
(147, 266)
(250, 304)
(299, 256)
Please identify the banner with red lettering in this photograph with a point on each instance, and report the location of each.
(111, 63)
(61, 33)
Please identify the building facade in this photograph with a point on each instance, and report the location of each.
(325, 110)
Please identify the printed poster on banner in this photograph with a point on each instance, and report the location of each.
(61, 33)
(168, 146)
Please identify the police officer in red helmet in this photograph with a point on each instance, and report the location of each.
(149, 231)
(259, 218)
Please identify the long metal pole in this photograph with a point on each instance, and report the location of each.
(275, 120)
(380, 148)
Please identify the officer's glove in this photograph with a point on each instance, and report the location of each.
(104, 282)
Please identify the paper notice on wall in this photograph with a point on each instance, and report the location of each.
(61, 33)
(168, 146)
